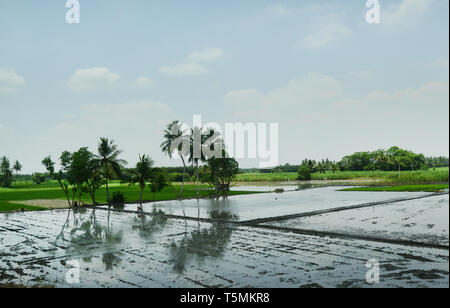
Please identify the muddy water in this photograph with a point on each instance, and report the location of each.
(249, 207)
(119, 249)
(124, 250)
(424, 220)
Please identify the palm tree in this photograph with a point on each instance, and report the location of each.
(5, 170)
(108, 161)
(174, 140)
(17, 168)
(143, 173)
(196, 154)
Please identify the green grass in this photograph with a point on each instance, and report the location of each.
(267, 177)
(440, 175)
(406, 188)
(51, 190)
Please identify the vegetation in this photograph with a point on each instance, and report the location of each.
(176, 140)
(304, 173)
(6, 173)
(408, 188)
(439, 175)
(118, 198)
(51, 190)
(221, 172)
(108, 161)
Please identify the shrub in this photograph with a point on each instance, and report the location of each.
(304, 174)
(118, 198)
(178, 177)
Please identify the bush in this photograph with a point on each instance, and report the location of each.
(118, 198)
(304, 174)
(178, 177)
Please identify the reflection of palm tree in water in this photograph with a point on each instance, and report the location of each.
(85, 230)
(147, 227)
(201, 243)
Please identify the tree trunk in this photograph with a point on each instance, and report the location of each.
(93, 197)
(140, 195)
(198, 183)
(107, 191)
(65, 192)
(184, 178)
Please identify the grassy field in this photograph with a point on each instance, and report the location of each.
(408, 188)
(440, 175)
(51, 190)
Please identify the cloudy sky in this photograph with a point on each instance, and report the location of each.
(334, 83)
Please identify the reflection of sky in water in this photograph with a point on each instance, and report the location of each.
(248, 207)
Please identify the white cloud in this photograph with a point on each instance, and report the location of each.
(91, 79)
(184, 69)
(326, 35)
(10, 81)
(192, 66)
(405, 14)
(440, 64)
(302, 95)
(431, 97)
(5, 127)
(279, 10)
(143, 82)
(207, 55)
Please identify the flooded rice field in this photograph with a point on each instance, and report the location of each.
(116, 248)
(251, 207)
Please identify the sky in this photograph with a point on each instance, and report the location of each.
(333, 83)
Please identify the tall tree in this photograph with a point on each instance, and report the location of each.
(201, 140)
(5, 171)
(223, 172)
(17, 168)
(142, 174)
(109, 162)
(50, 166)
(176, 140)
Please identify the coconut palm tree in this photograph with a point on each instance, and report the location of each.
(108, 161)
(17, 168)
(5, 171)
(176, 140)
(199, 140)
(142, 174)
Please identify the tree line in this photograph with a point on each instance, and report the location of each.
(7, 171)
(393, 159)
(83, 172)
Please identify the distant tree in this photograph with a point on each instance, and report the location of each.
(142, 173)
(17, 168)
(38, 178)
(304, 173)
(335, 167)
(310, 164)
(5, 172)
(108, 160)
(158, 181)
